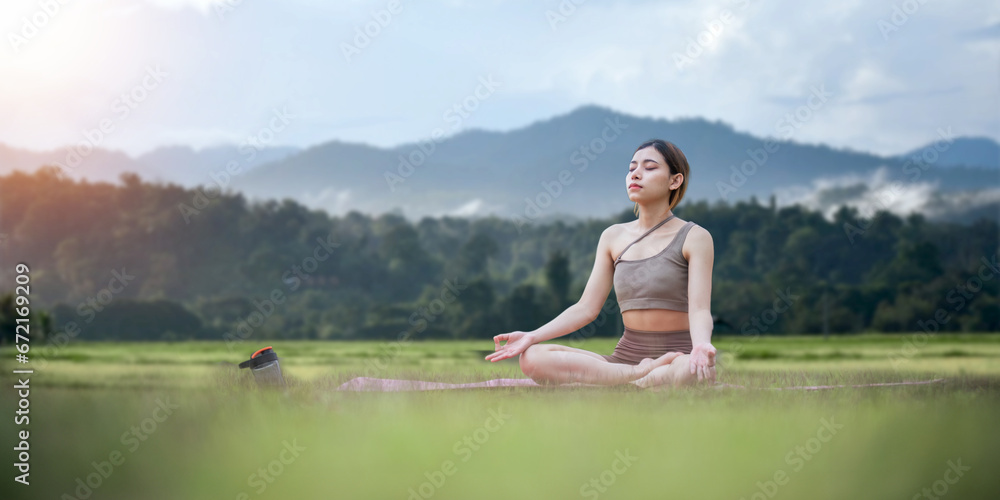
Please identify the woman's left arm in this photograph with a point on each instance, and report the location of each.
(701, 257)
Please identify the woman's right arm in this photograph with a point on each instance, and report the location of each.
(591, 302)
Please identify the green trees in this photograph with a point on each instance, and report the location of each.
(280, 270)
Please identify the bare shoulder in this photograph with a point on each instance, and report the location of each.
(613, 235)
(619, 226)
(698, 241)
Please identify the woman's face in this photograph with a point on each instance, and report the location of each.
(650, 172)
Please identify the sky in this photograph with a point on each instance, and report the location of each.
(876, 76)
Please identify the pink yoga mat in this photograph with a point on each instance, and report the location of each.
(394, 385)
(391, 385)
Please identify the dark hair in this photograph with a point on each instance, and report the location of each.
(676, 162)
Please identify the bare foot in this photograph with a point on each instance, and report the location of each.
(667, 358)
(642, 382)
(645, 381)
(644, 367)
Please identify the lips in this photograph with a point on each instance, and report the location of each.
(634, 186)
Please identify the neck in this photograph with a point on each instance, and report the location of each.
(649, 218)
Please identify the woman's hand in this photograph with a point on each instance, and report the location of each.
(517, 342)
(702, 361)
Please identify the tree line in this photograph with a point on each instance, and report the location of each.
(124, 262)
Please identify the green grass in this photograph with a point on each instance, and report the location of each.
(686, 443)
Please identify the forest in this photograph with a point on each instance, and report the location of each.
(154, 261)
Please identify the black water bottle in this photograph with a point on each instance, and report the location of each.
(265, 368)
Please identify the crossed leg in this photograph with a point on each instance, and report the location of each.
(676, 374)
(559, 364)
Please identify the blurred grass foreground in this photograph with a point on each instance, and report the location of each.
(180, 421)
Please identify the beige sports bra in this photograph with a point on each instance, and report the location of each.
(657, 282)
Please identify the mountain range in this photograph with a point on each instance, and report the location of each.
(568, 166)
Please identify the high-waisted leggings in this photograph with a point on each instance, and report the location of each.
(637, 344)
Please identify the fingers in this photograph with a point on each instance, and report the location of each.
(499, 355)
(706, 373)
(703, 367)
(694, 362)
(496, 345)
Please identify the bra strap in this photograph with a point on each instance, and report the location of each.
(644, 235)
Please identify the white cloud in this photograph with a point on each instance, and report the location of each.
(330, 199)
(878, 191)
(890, 95)
(473, 207)
(202, 6)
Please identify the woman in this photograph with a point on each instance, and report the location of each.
(664, 291)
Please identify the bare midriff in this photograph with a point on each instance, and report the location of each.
(655, 320)
(650, 319)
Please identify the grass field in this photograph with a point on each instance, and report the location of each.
(180, 421)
